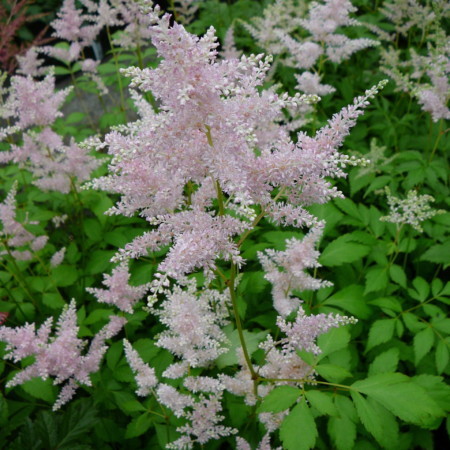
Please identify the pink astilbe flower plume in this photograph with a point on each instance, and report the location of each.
(215, 134)
(59, 356)
(194, 323)
(144, 374)
(15, 239)
(119, 292)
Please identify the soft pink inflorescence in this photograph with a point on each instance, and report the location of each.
(16, 239)
(144, 374)
(193, 324)
(286, 270)
(59, 356)
(119, 292)
(215, 134)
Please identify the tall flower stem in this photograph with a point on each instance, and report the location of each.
(116, 63)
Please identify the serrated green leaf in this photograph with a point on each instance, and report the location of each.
(341, 251)
(423, 341)
(379, 422)
(332, 341)
(397, 275)
(399, 395)
(350, 299)
(439, 254)
(442, 355)
(138, 426)
(64, 275)
(279, 399)
(53, 300)
(385, 362)
(422, 288)
(376, 279)
(39, 388)
(298, 430)
(436, 388)
(333, 373)
(380, 332)
(342, 432)
(322, 401)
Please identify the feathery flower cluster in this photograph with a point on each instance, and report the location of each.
(59, 356)
(298, 256)
(424, 76)
(194, 323)
(144, 374)
(242, 444)
(413, 210)
(35, 106)
(119, 292)
(15, 239)
(215, 135)
(273, 32)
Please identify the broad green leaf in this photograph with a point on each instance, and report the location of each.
(397, 275)
(333, 373)
(439, 254)
(114, 354)
(385, 362)
(437, 388)
(422, 288)
(53, 300)
(442, 355)
(341, 251)
(412, 322)
(377, 421)
(332, 341)
(322, 401)
(380, 332)
(280, 399)
(423, 341)
(405, 399)
(342, 432)
(39, 388)
(350, 299)
(138, 426)
(298, 430)
(376, 279)
(64, 275)
(4, 410)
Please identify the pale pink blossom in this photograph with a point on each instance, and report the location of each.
(144, 374)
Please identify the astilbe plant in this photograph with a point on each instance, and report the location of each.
(204, 169)
(305, 36)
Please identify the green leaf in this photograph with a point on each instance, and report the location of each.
(138, 426)
(376, 279)
(53, 300)
(437, 388)
(333, 373)
(322, 401)
(385, 362)
(342, 432)
(397, 275)
(332, 341)
(78, 419)
(380, 332)
(341, 251)
(378, 422)
(439, 254)
(298, 430)
(350, 299)
(39, 388)
(422, 288)
(279, 399)
(442, 355)
(64, 275)
(405, 399)
(423, 341)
